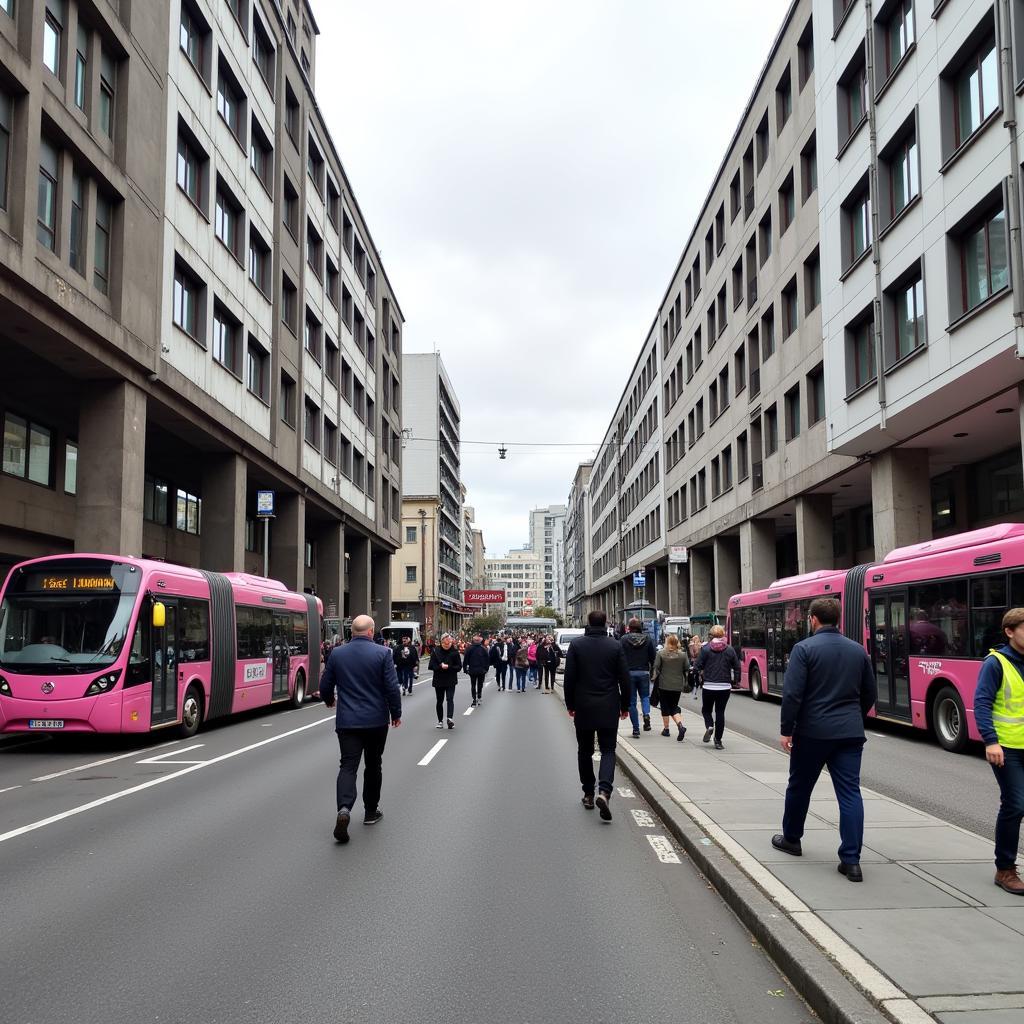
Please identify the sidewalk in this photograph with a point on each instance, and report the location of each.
(926, 936)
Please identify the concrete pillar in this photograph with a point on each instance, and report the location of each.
(900, 499)
(727, 570)
(701, 570)
(679, 589)
(359, 574)
(814, 533)
(330, 569)
(380, 577)
(288, 541)
(111, 470)
(757, 554)
(222, 541)
(662, 594)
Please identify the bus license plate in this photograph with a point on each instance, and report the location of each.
(46, 723)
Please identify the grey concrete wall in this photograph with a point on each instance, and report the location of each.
(814, 532)
(222, 543)
(900, 498)
(288, 541)
(757, 554)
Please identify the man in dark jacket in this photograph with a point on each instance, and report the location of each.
(407, 663)
(499, 655)
(362, 677)
(475, 663)
(828, 690)
(640, 653)
(597, 688)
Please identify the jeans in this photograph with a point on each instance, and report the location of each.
(367, 744)
(476, 683)
(606, 739)
(843, 758)
(640, 685)
(406, 677)
(444, 692)
(520, 678)
(549, 677)
(533, 671)
(1011, 807)
(499, 673)
(716, 699)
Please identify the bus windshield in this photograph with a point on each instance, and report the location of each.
(66, 617)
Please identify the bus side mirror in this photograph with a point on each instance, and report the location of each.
(159, 615)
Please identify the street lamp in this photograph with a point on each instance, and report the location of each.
(423, 568)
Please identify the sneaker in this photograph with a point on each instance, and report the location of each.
(602, 806)
(372, 817)
(719, 745)
(665, 732)
(682, 733)
(451, 723)
(708, 733)
(588, 801)
(647, 723)
(440, 725)
(636, 734)
(341, 825)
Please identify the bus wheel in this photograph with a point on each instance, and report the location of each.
(299, 695)
(756, 693)
(191, 713)
(949, 720)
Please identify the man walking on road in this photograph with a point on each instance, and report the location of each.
(597, 689)
(407, 662)
(361, 676)
(475, 663)
(828, 690)
(639, 651)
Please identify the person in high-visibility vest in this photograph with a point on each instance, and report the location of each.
(999, 715)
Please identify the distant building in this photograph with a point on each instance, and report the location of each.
(547, 539)
(521, 575)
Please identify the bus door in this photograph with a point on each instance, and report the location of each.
(889, 654)
(282, 654)
(165, 666)
(776, 656)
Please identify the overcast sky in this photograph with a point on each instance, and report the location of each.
(530, 173)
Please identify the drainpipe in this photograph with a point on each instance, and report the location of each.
(1013, 190)
(876, 246)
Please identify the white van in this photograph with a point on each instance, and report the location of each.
(394, 631)
(564, 637)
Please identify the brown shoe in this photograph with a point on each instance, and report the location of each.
(588, 801)
(1010, 881)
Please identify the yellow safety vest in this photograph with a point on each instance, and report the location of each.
(1008, 707)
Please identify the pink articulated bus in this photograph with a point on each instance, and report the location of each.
(927, 614)
(105, 644)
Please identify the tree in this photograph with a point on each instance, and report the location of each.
(548, 613)
(486, 623)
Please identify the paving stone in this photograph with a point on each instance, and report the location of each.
(876, 812)
(818, 845)
(976, 880)
(981, 1017)
(746, 814)
(938, 842)
(1012, 917)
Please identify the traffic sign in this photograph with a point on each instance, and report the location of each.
(640, 580)
(264, 503)
(677, 553)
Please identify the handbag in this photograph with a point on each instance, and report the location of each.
(655, 695)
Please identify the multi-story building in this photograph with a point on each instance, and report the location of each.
(479, 559)
(468, 566)
(521, 574)
(577, 560)
(547, 539)
(194, 308)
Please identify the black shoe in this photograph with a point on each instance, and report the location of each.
(780, 842)
(665, 732)
(852, 872)
(341, 825)
(636, 734)
(602, 806)
(451, 723)
(588, 801)
(682, 733)
(708, 733)
(719, 745)
(647, 723)
(373, 817)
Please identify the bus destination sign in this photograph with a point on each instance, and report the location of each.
(69, 583)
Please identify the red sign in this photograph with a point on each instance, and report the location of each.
(483, 596)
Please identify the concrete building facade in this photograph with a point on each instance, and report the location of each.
(547, 539)
(194, 306)
(521, 575)
(577, 560)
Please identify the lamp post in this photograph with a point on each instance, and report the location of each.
(423, 568)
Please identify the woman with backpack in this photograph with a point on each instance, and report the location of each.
(671, 673)
(521, 665)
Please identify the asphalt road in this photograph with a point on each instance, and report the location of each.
(905, 764)
(213, 892)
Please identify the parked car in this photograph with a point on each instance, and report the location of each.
(564, 637)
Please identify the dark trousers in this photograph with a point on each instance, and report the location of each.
(716, 700)
(842, 757)
(499, 673)
(367, 744)
(1011, 807)
(606, 739)
(442, 693)
(476, 682)
(549, 677)
(406, 677)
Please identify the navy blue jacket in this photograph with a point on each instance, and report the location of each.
(476, 660)
(990, 679)
(829, 688)
(639, 651)
(363, 676)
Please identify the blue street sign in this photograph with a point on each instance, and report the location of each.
(264, 503)
(639, 580)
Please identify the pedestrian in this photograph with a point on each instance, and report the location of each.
(475, 663)
(597, 695)
(445, 664)
(407, 663)
(999, 715)
(531, 655)
(671, 671)
(695, 677)
(639, 650)
(827, 692)
(719, 667)
(549, 657)
(512, 645)
(522, 666)
(360, 677)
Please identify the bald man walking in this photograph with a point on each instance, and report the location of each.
(361, 676)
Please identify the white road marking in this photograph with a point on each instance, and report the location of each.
(432, 753)
(469, 710)
(626, 793)
(53, 819)
(663, 848)
(159, 759)
(642, 818)
(96, 764)
(9, 788)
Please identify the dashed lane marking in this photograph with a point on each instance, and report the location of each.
(663, 848)
(162, 758)
(9, 788)
(431, 753)
(642, 818)
(469, 710)
(96, 764)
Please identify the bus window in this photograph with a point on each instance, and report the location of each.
(753, 628)
(194, 623)
(988, 605)
(300, 634)
(255, 632)
(938, 619)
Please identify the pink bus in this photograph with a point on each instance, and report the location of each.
(105, 644)
(927, 614)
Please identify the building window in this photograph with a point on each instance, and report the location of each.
(900, 167)
(410, 534)
(291, 209)
(815, 396)
(331, 360)
(761, 141)
(984, 268)
(742, 457)
(771, 430)
(333, 284)
(315, 166)
(187, 297)
(313, 338)
(787, 204)
(256, 361)
(790, 308)
(27, 450)
(76, 251)
(108, 79)
(6, 122)
(227, 222)
(906, 301)
(410, 574)
(70, 467)
(225, 345)
(261, 156)
(81, 67)
(193, 36)
(188, 511)
(52, 31)
(860, 339)
(764, 239)
(238, 12)
(289, 304)
(809, 169)
(263, 53)
(230, 102)
(899, 35)
(46, 209)
(805, 58)
(287, 398)
(189, 173)
(155, 500)
(997, 487)
(311, 424)
(259, 262)
(975, 91)
(330, 442)
(783, 101)
(768, 334)
(852, 97)
(856, 215)
(793, 413)
(812, 282)
(314, 251)
(291, 114)
(101, 245)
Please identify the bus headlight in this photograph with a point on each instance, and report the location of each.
(103, 683)
(5, 687)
